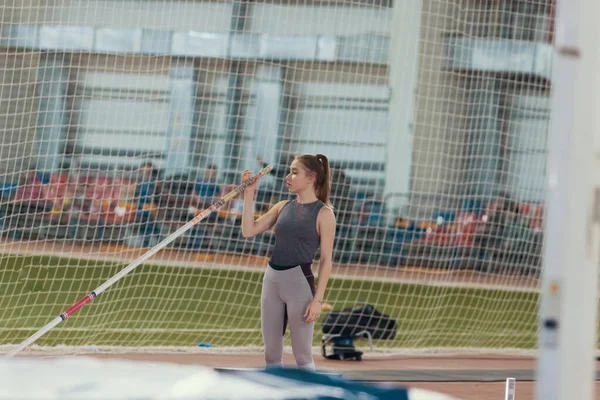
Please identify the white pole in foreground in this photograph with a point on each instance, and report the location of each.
(71, 310)
(567, 322)
(509, 392)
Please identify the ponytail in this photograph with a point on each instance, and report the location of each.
(323, 182)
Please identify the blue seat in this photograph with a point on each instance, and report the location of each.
(374, 211)
(473, 206)
(8, 189)
(443, 217)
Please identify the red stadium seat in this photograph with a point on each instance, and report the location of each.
(525, 209)
(32, 190)
(467, 224)
(537, 219)
(58, 193)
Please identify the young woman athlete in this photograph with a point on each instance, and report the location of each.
(301, 226)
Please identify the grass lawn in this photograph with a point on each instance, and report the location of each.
(182, 306)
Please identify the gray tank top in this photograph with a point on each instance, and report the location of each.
(296, 236)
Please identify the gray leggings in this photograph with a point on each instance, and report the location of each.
(285, 296)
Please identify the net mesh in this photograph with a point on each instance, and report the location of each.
(123, 120)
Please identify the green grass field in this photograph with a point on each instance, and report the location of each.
(181, 306)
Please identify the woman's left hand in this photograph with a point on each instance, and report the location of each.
(313, 311)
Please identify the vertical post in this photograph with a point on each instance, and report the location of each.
(51, 131)
(482, 159)
(181, 118)
(283, 146)
(567, 323)
(265, 130)
(403, 66)
(235, 83)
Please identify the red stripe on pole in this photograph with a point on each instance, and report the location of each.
(78, 305)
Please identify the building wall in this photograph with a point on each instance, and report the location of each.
(202, 16)
(338, 108)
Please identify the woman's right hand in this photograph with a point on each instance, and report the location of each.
(250, 190)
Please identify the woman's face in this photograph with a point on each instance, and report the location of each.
(299, 178)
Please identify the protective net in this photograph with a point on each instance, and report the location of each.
(122, 120)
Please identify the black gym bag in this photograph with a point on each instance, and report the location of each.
(351, 321)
